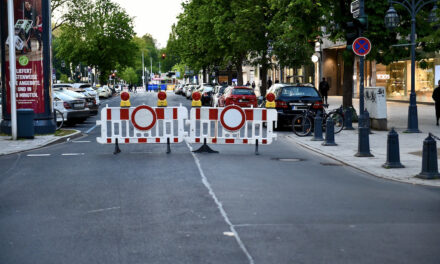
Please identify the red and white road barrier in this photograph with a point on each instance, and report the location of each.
(232, 125)
(142, 124)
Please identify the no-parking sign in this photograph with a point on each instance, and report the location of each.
(361, 46)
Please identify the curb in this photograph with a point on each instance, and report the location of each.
(354, 167)
(51, 142)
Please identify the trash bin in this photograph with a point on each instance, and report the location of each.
(376, 104)
(25, 123)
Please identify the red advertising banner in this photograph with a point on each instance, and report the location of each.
(29, 87)
(29, 57)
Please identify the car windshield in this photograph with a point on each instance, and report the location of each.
(292, 91)
(207, 89)
(242, 92)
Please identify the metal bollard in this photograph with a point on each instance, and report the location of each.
(348, 119)
(429, 160)
(329, 133)
(393, 152)
(317, 133)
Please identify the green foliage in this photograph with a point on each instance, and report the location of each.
(99, 33)
(64, 78)
(129, 75)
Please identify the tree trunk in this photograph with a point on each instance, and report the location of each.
(347, 89)
(204, 74)
(239, 66)
(229, 75)
(263, 76)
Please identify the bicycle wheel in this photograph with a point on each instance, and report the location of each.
(302, 125)
(338, 121)
(59, 118)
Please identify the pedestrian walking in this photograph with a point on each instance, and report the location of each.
(269, 83)
(323, 89)
(253, 85)
(436, 98)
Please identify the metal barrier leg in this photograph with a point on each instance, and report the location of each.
(205, 148)
(256, 148)
(117, 149)
(168, 146)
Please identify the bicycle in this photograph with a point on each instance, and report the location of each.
(59, 118)
(303, 124)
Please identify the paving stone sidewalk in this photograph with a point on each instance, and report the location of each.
(411, 145)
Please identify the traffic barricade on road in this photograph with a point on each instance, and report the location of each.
(231, 125)
(142, 124)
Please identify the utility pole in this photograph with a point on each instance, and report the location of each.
(12, 68)
(143, 71)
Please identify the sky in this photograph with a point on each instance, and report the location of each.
(154, 17)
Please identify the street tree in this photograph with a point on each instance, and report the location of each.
(130, 76)
(100, 34)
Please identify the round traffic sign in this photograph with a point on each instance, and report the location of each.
(232, 118)
(361, 46)
(143, 117)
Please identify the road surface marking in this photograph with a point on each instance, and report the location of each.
(220, 207)
(84, 141)
(103, 210)
(38, 155)
(91, 129)
(72, 154)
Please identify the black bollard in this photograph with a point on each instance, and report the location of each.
(429, 160)
(329, 133)
(317, 134)
(168, 146)
(393, 152)
(348, 119)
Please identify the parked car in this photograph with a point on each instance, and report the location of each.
(90, 99)
(293, 99)
(73, 109)
(89, 90)
(242, 96)
(104, 92)
(206, 91)
(217, 93)
(77, 95)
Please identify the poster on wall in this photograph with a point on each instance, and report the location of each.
(28, 44)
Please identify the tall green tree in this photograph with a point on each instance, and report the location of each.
(100, 34)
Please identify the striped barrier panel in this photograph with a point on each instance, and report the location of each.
(232, 125)
(142, 124)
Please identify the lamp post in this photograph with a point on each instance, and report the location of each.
(392, 21)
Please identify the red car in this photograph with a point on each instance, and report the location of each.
(238, 95)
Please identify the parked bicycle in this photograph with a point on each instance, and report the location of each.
(303, 124)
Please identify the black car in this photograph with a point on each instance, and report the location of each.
(207, 92)
(293, 99)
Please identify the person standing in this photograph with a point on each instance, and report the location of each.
(253, 85)
(248, 83)
(269, 83)
(436, 98)
(323, 89)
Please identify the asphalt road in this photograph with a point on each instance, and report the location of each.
(78, 203)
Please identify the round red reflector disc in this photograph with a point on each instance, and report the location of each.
(125, 96)
(196, 96)
(270, 97)
(162, 95)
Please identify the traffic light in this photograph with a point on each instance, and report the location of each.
(163, 56)
(353, 30)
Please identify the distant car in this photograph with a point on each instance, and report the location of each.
(293, 99)
(89, 90)
(73, 109)
(218, 92)
(239, 95)
(207, 91)
(104, 92)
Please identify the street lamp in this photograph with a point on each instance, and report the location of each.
(391, 22)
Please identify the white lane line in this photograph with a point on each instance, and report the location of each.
(220, 206)
(103, 210)
(72, 154)
(91, 129)
(38, 155)
(79, 141)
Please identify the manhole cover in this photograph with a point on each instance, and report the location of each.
(288, 159)
(330, 164)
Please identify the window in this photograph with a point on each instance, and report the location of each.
(299, 91)
(242, 92)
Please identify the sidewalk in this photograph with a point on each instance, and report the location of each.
(411, 145)
(9, 146)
